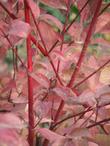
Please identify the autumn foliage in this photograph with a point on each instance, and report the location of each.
(54, 73)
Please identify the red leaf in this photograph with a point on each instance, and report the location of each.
(42, 108)
(9, 120)
(19, 28)
(66, 94)
(11, 138)
(87, 97)
(48, 34)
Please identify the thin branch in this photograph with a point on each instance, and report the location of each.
(89, 76)
(8, 12)
(103, 10)
(98, 123)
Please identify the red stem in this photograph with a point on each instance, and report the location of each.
(30, 83)
(8, 12)
(86, 43)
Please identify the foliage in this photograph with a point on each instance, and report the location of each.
(55, 73)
